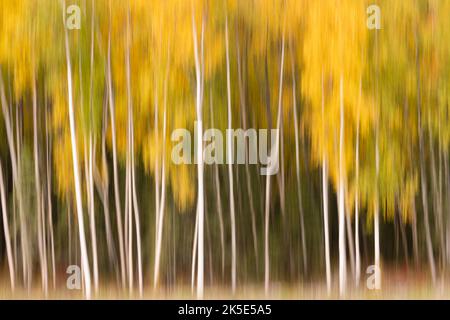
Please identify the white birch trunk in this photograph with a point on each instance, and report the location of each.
(325, 198)
(341, 204)
(199, 155)
(9, 253)
(230, 166)
(76, 173)
(115, 172)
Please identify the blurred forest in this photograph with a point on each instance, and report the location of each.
(86, 176)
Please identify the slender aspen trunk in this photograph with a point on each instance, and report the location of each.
(325, 196)
(404, 239)
(160, 213)
(357, 249)
(115, 172)
(247, 171)
(91, 160)
(199, 155)
(219, 198)
(159, 226)
(230, 167)
(129, 210)
(9, 252)
(423, 182)
(90, 179)
(157, 190)
(350, 242)
(376, 231)
(447, 188)
(39, 212)
(194, 253)
(132, 178)
(104, 191)
(274, 155)
(24, 243)
(49, 195)
(137, 220)
(297, 167)
(76, 173)
(341, 191)
(436, 196)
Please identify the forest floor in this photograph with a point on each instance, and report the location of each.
(396, 284)
(307, 292)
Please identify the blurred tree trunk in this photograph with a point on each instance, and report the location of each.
(325, 197)
(341, 196)
(115, 172)
(200, 190)
(76, 173)
(9, 253)
(297, 167)
(230, 157)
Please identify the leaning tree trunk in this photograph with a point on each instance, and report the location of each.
(341, 190)
(39, 211)
(160, 212)
(357, 250)
(199, 155)
(91, 160)
(115, 172)
(325, 197)
(24, 243)
(297, 166)
(219, 197)
(9, 253)
(230, 167)
(132, 192)
(243, 106)
(422, 174)
(49, 195)
(273, 155)
(76, 174)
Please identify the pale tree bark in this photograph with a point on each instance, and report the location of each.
(194, 253)
(422, 171)
(230, 166)
(101, 181)
(423, 182)
(9, 252)
(415, 240)
(157, 185)
(160, 213)
(376, 218)
(297, 166)
(357, 249)
(115, 170)
(89, 156)
(350, 242)
(219, 197)
(132, 194)
(136, 218)
(325, 197)
(242, 95)
(437, 203)
(49, 195)
(129, 209)
(76, 173)
(39, 212)
(274, 155)
(24, 242)
(91, 161)
(199, 155)
(447, 188)
(341, 196)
